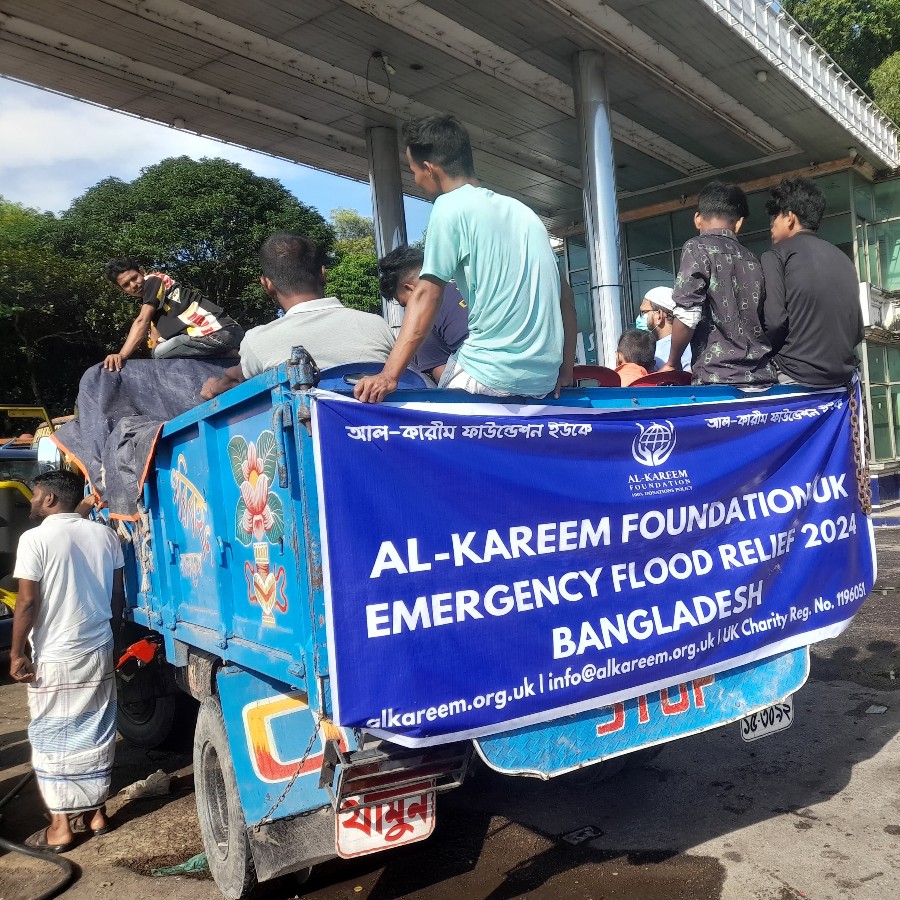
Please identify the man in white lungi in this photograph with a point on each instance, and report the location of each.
(71, 596)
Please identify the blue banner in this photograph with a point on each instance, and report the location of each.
(489, 566)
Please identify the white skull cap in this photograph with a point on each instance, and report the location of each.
(661, 296)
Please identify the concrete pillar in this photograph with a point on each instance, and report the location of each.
(387, 204)
(601, 214)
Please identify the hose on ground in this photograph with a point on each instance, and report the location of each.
(66, 865)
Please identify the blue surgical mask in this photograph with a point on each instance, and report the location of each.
(641, 322)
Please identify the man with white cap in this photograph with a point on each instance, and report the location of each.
(656, 316)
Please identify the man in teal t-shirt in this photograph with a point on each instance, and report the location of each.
(521, 313)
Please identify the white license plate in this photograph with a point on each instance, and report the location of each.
(391, 820)
(768, 721)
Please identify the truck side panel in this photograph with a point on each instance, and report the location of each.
(229, 578)
(270, 729)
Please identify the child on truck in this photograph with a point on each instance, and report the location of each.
(635, 355)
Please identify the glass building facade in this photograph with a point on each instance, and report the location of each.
(862, 218)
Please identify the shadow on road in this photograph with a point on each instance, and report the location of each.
(500, 837)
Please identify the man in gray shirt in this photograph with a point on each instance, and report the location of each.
(293, 270)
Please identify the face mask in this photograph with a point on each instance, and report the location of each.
(641, 322)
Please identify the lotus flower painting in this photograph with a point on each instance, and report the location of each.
(259, 515)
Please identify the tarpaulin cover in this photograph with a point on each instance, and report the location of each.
(120, 415)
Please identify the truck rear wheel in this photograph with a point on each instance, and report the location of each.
(219, 810)
(153, 712)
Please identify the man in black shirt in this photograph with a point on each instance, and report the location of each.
(183, 323)
(811, 312)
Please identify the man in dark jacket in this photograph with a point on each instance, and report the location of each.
(811, 312)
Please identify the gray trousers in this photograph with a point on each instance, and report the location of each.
(224, 342)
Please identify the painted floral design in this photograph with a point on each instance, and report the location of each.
(259, 515)
(257, 518)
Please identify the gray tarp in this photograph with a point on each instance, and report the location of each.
(119, 417)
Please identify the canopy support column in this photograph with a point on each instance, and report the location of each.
(387, 204)
(601, 214)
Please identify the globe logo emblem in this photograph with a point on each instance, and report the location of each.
(654, 444)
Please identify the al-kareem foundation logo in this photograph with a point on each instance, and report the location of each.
(652, 446)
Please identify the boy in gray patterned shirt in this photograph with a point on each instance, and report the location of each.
(717, 295)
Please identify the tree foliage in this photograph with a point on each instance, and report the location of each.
(858, 34)
(200, 221)
(46, 342)
(355, 281)
(885, 81)
(353, 232)
(354, 277)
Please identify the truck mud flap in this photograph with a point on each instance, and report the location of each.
(554, 748)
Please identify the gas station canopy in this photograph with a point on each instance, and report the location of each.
(697, 88)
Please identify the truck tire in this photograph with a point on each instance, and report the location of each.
(222, 823)
(148, 723)
(152, 710)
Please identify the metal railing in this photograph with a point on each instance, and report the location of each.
(790, 50)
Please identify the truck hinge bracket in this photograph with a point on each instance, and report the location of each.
(331, 759)
(281, 412)
(302, 371)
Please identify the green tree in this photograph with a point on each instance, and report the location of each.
(45, 339)
(354, 276)
(353, 232)
(20, 225)
(885, 81)
(200, 221)
(355, 281)
(858, 34)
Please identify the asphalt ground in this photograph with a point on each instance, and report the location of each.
(810, 813)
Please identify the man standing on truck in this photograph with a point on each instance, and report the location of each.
(293, 272)
(71, 597)
(182, 322)
(522, 319)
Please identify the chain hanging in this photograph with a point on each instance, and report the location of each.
(860, 450)
(267, 818)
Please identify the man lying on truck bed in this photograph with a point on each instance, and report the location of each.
(293, 272)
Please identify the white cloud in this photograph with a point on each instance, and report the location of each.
(55, 148)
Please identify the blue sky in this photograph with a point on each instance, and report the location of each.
(55, 148)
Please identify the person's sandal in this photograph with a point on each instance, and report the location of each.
(78, 824)
(38, 841)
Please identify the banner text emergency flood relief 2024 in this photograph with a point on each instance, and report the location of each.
(481, 551)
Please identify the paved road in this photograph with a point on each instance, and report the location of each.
(812, 813)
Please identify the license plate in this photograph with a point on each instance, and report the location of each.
(390, 821)
(768, 721)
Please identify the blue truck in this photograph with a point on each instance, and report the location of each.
(231, 566)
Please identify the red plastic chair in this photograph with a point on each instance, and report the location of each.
(603, 376)
(663, 379)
